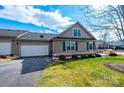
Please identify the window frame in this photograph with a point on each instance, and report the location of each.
(90, 45)
(70, 45)
(78, 30)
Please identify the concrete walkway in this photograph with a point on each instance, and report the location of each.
(23, 72)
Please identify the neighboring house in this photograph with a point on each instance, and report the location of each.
(115, 43)
(23, 43)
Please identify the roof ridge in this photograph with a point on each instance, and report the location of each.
(21, 35)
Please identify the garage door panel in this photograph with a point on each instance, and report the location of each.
(34, 50)
(5, 48)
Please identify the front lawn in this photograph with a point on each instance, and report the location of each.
(83, 72)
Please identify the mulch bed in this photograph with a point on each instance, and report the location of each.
(115, 66)
(7, 58)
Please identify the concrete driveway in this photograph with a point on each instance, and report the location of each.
(23, 72)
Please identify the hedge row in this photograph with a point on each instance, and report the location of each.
(63, 57)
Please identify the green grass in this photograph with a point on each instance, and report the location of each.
(83, 72)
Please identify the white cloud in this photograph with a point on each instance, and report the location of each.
(96, 35)
(48, 31)
(29, 14)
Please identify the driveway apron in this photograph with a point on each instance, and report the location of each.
(23, 72)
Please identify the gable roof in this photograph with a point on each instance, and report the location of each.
(37, 36)
(26, 35)
(80, 26)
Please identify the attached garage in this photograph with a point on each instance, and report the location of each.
(34, 50)
(5, 48)
(25, 43)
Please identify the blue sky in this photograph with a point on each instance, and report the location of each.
(45, 18)
(11, 17)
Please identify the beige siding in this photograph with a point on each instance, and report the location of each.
(58, 46)
(70, 33)
(6, 39)
(15, 48)
(82, 46)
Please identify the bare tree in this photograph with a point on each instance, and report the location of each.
(109, 19)
(122, 9)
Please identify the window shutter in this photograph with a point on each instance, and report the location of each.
(63, 45)
(75, 34)
(87, 45)
(94, 47)
(76, 45)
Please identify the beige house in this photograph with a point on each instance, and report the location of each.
(23, 43)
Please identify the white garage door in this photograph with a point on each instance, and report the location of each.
(5, 48)
(34, 50)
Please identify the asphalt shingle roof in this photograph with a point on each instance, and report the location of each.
(37, 36)
(10, 33)
(26, 35)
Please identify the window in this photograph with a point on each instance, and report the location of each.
(90, 45)
(70, 45)
(77, 32)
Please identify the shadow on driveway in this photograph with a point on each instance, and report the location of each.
(33, 64)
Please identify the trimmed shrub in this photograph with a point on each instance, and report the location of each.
(84, 56)
(3, 56)
(112, 54)
(62, 57)
(74, 56)
(98, 55)
(91, 56)
(11, 55)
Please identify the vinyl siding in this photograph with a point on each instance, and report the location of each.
(82, 46)
(70, 32)
(58, 46)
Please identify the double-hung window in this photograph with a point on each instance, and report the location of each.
(70, 45)
(77, 32)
